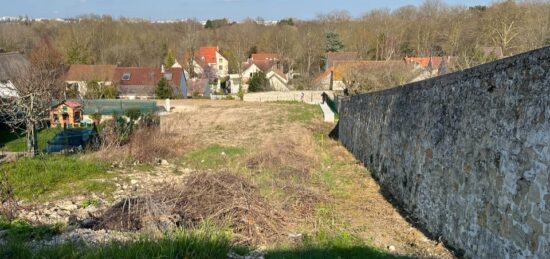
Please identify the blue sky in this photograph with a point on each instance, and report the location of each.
(202, 9)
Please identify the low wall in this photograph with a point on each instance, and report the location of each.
(467, 155)
(311, 97)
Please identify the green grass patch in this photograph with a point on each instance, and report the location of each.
(205, 242)
(18, 142)
(57, 176)
(301, 112)
(212, 157)
(22, 231)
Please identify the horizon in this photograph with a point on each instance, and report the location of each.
(234, 10)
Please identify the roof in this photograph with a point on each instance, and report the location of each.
(71, 103)
(428, 62)
(264, 56)
(11, 64)
(497, 51)
(143, 80)
(342, 67)
(208, 54)
(80, 72)
(340, 56)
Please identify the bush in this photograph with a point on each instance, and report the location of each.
(258, 82)
(132, 113)
(96, 117)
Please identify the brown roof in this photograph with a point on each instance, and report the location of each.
(11, 64)
(265, 56)
(91, 73)
(340, 56)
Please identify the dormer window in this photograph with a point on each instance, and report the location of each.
(126, 77)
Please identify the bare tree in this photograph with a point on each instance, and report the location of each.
(32, 92)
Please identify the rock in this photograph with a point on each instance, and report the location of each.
(223, 153)
(391, 248)
(133, 181)
(164, 162)
(88, 223)
(295, 235)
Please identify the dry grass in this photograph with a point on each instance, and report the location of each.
(224, 198)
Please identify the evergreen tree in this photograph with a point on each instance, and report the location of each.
(208, 25)
(163, 91)
(333, 42)
(170, 60)
(258, 82)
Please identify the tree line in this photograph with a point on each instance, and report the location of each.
(431, 29)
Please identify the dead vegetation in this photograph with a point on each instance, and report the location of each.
(223, 198)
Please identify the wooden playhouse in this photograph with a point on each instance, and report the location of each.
(67, 114)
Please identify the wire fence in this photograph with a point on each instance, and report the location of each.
(116, 106)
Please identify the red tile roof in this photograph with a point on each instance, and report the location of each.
(147, 75)
(73, 103)
(428, 62)
(208, 54)
(264, 56)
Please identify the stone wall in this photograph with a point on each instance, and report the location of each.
(466, 154)
(311, 97)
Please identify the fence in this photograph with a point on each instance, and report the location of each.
(115, 106)
(312, 97)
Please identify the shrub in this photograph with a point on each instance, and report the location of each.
(258, 82)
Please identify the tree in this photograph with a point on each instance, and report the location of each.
(333, 42)
(258, 82)
(170, 60)
(34, 88)
(361, 78)
(163, 90)
(289, 22)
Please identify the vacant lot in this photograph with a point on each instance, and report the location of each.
(264, 176)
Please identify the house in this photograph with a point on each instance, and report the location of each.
(66, 114)
(267, 63)
(140, 82)
(79, 76)
(211, 56)
(333, 57)
(334, 78)
(11, 67)
(434, 65)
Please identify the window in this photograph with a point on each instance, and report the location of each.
(126, 77)
(221, 60)
(221, 67)
(168, 76)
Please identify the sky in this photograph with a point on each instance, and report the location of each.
(235, 10)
